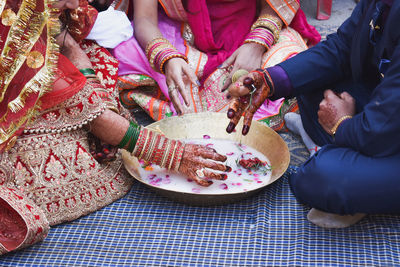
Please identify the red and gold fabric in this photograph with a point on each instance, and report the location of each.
(80, 21)
(28, 62)
(47, 173)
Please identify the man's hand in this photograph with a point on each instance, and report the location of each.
(333, 107)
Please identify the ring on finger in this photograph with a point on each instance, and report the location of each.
(253, 89)
(171, 88)
(200, 173)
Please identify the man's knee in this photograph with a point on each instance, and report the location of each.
(319, 184)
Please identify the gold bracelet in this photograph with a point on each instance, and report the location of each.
(153, 42)
(147, 137)
(262, 18)
(151, 149)
(164, 158)
(173, 155)
(269, 22)
(337, 124)
(155, 52)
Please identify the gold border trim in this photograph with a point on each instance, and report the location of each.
(41, 83)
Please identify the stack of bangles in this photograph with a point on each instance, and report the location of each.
(159, 51)
(153, 147)
(267, 80)
(265, 31)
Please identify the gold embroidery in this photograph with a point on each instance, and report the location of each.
(35, 60)
(71, 114)
(59, 174)
(8, 17)
(2, 5)
(24, 33)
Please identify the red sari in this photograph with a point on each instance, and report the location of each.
(47, 173)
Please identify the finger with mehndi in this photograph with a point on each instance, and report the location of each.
(213, 165)
(211, 153)
(215, 176)
(200, 180)
(242, 105)
(233, 107)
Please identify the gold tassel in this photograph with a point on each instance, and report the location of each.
(16, 105)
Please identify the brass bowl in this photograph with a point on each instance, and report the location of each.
(195, 125)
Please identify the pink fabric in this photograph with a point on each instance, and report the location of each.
(133, 60)
(220, 28)
(268, 108)
(300, 24)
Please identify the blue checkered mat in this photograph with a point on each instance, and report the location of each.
(144, 229)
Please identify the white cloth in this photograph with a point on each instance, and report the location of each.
(111, 28)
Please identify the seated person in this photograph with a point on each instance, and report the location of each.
(48, 108)
(355, 123)
(185, 53)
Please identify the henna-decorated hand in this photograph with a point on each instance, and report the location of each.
(242, 101)
(196, 158)
(333, 107)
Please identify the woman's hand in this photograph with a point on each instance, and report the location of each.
(242, 101)
(247, 57)
(333, 107)
(197, 158)
(175, 70)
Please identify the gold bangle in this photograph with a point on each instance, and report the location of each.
(164, 158)
(151, 149)
(262, 18)
(257, 42)
(337, 124)
(262, 22)
(173, 155)
(155, 52)
(177, 55)
(153, 42)
(147, 137)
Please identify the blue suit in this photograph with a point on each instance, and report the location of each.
(358, 170)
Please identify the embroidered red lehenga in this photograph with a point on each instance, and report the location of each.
(212, 25)
(47, 174)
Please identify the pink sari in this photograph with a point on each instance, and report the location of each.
(207, 34)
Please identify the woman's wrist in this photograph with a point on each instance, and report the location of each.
(129, 141)
(260, 36)
(159, 51)
(159, 150)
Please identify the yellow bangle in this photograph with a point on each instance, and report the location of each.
(334, 128)
(269, 22)
(153, 42)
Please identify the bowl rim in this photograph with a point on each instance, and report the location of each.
(153, 126)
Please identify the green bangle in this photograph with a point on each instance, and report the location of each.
(87, 72)
(134, 138)
(126, 137)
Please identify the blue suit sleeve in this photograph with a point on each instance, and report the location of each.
(376, 130)
(327, 62)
